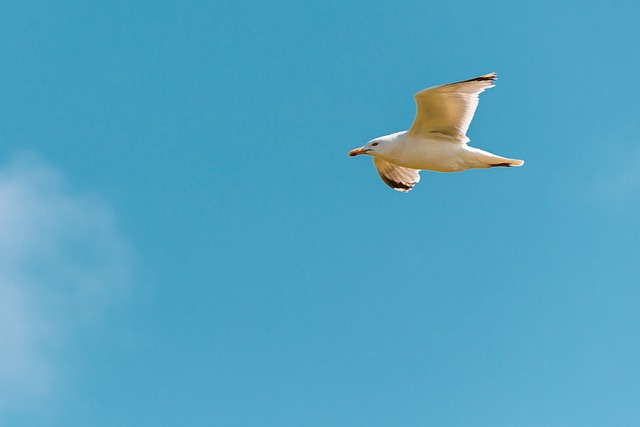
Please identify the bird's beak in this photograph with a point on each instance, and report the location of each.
(358, 151)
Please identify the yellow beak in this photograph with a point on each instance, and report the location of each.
(357, 152)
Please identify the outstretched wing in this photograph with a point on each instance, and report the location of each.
(449, 109)
(396, 177)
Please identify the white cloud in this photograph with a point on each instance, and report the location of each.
(62, 262)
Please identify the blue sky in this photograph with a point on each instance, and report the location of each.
(184, 240)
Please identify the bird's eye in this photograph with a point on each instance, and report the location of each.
(375, 144)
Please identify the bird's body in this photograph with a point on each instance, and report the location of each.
(438, 154)
(437, 139)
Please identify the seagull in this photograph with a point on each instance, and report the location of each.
(437, 139)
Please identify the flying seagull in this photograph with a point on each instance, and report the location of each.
(437, 139)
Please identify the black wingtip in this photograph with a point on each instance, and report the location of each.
(400, 186)
(491, 77)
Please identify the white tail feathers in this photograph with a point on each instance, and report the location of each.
(504, 162)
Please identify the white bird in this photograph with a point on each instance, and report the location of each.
(437, 139)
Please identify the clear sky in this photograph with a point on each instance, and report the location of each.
(184, 241)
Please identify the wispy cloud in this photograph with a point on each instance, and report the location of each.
(62, 261)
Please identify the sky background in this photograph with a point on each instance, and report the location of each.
(184, 241)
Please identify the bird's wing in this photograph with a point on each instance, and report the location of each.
(448, 109)
(396, 177)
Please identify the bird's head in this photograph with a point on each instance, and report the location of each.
(371, 147)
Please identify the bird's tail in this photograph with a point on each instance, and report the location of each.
(505, 162)
(476, 158)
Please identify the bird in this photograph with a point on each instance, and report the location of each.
(437, 139)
